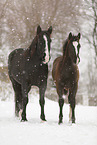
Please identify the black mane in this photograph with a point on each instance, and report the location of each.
(64, 46)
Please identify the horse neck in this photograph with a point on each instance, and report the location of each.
(66, 53)
(32, 47)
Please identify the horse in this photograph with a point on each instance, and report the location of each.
(29, 67)
(65, 74)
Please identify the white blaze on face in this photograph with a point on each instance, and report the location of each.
(75, 43)
(46, 50)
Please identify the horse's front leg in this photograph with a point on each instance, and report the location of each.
(72, 102)
(42, 90)
(24, 103)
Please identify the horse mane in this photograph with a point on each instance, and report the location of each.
(31, 49)
(65, 48)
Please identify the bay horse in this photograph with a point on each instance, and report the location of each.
(28, 67)
(65, 74)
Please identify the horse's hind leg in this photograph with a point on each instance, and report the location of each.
(42, 90)
(25, 90)
(61, 103)
(71, 99)
(18, 96)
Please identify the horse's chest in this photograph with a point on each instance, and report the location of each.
(37, 69)
(37, 73)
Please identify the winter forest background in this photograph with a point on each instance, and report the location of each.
(18, 23)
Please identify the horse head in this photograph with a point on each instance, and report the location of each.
(72, 45)
(43, 44)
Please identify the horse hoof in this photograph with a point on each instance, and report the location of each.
(73, 120)
(23, 120)
(60, 122)
(43, 119)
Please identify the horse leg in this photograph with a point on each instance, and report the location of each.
(71, 99)
(18, 96)
(18, 100)
(24, 101)
(42, 90)
(61, 103)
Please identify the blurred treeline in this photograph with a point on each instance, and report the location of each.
(18, 23)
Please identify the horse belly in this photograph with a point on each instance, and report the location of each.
(56, 68)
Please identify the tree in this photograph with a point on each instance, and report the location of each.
(19, 20)
(94, 7)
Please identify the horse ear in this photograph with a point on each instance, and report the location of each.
(70, 35)
(38, 29)
(79, 35)
(50, 29)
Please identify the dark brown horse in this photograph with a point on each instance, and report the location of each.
(28, 67)
(65, 74)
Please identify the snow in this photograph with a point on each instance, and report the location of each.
(14, 132)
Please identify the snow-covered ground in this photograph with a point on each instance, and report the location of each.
(35, 132)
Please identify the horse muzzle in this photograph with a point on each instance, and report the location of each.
(78, 59)
(46, 60)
